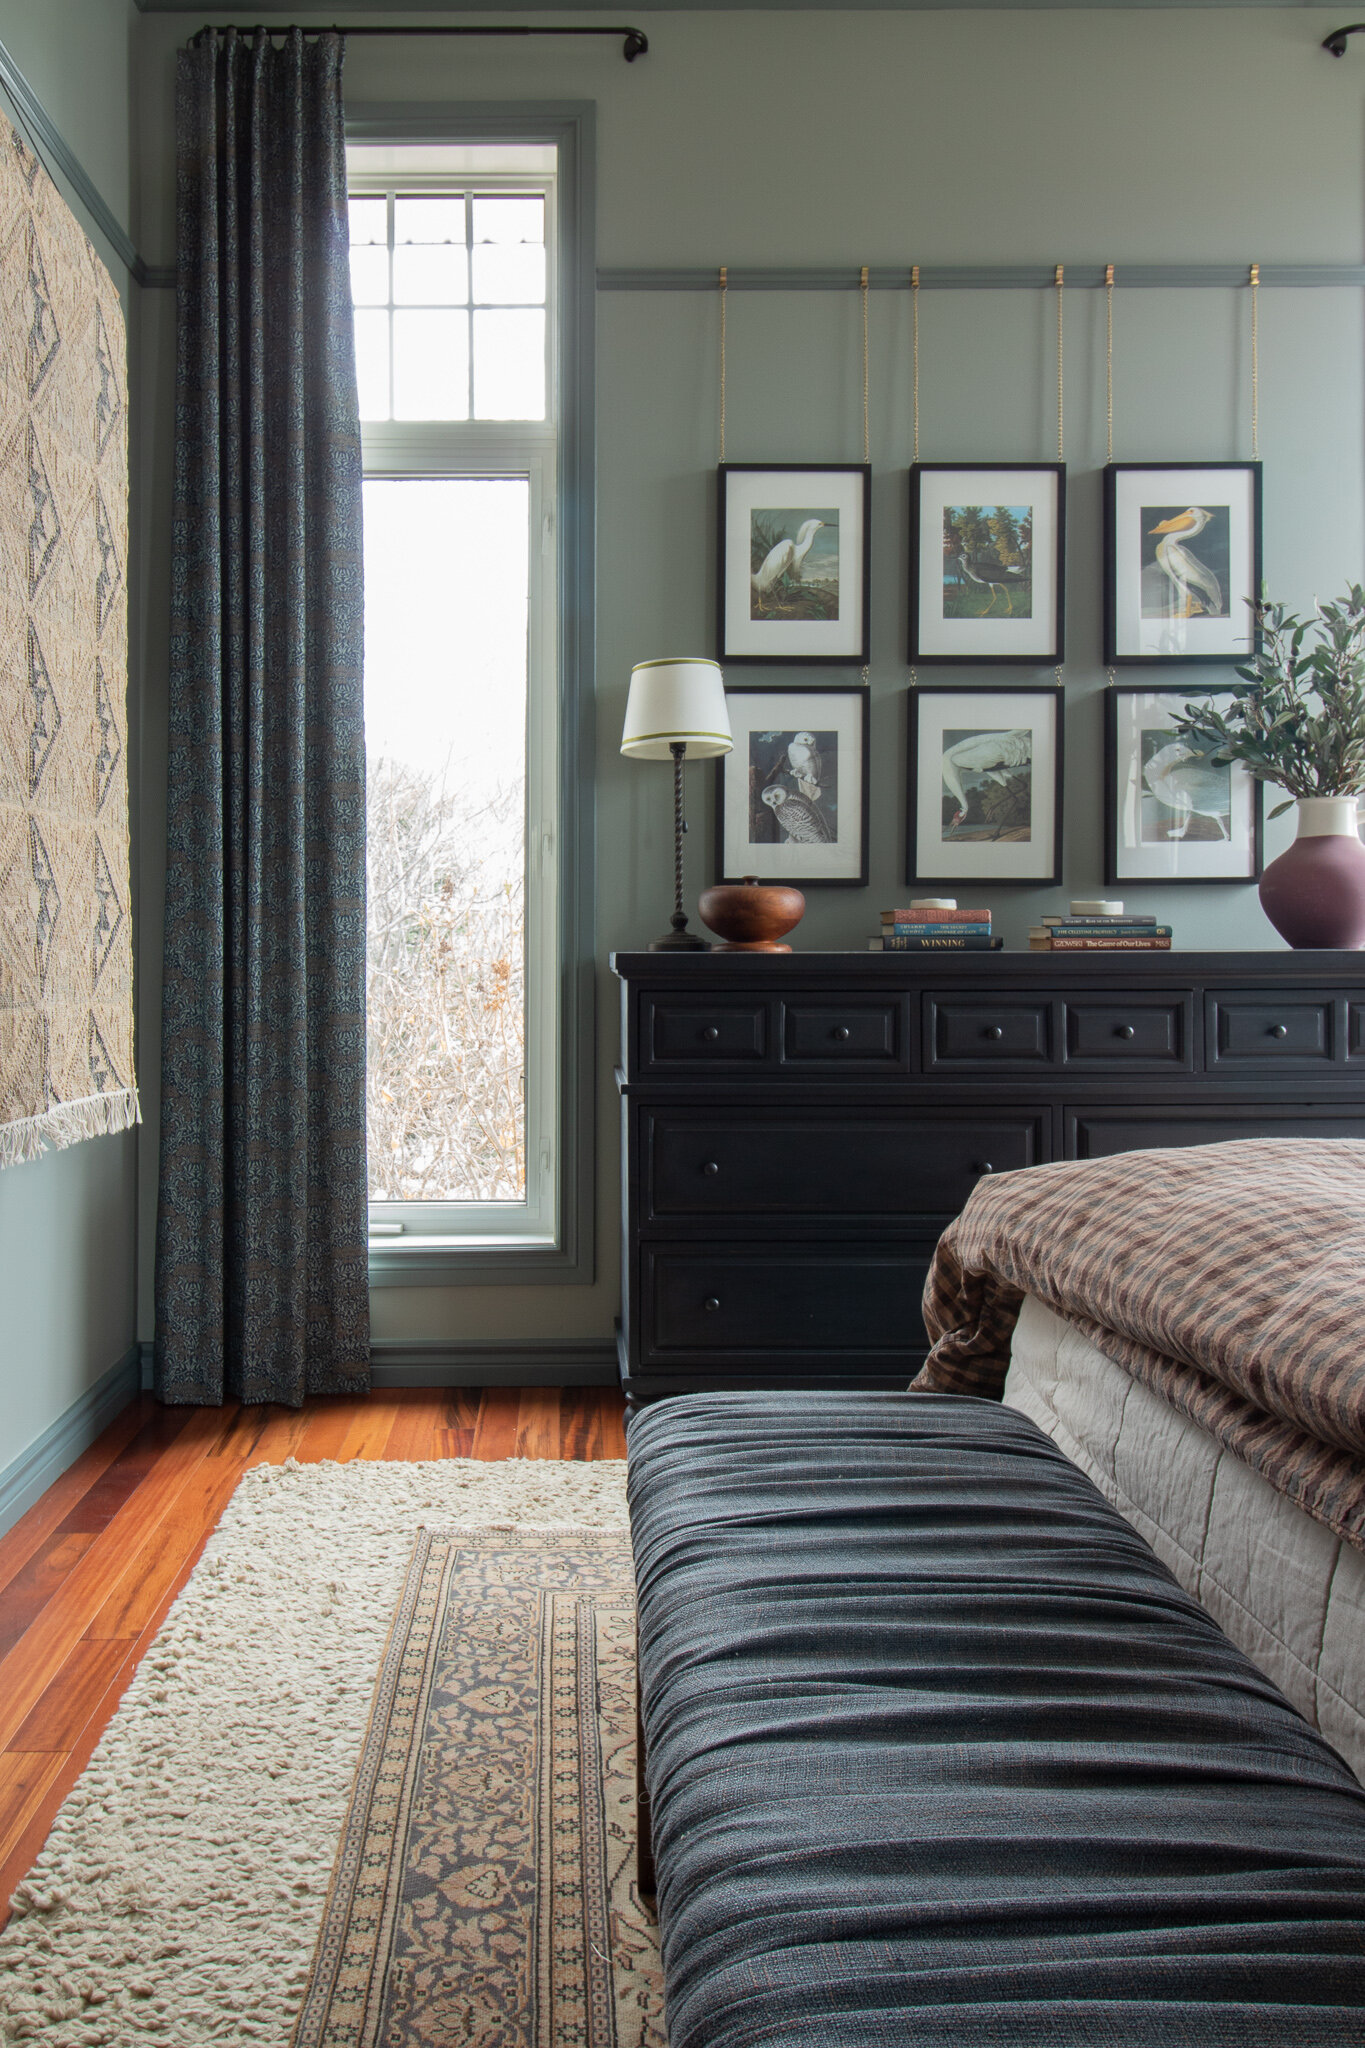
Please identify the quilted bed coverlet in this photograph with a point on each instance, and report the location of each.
(1230, 1278)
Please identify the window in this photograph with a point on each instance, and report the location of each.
(454, 280)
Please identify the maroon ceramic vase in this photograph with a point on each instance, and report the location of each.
(1314, 893)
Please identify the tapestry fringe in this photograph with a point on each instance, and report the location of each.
(68, 1123)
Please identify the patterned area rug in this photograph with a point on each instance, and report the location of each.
(179, 1899)
(484, 1887)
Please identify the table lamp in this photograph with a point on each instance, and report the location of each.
(676, 708)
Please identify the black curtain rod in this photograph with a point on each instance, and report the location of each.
(636, 42)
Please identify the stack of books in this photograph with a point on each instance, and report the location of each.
(937, 927)
(1100, 928)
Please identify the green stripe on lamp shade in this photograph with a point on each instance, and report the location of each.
(720, 742)
(677, 661)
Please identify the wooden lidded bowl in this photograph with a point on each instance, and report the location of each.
(751, 916)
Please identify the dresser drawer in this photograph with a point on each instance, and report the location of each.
(1264, 1028)
(694, 1031)
(986, 1031)
(849, 1168)
(842, 1033)
(1124, 1030)
(1100, 1134)
(770, 1306)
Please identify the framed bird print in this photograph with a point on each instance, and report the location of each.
(984, 785)
(1182, 561)
(1172, 811)
(794, 582)
(791, 799)
(987, 557)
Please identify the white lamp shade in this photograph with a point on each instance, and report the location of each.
(676, 703)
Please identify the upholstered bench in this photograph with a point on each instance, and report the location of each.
(939, 1753)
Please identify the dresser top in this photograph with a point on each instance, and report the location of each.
(1022, 968)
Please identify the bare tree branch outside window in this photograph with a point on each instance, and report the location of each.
(446, 989)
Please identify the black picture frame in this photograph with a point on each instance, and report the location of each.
(975, 866)
(952, 642)
(1132, 631)
(734, 801)
(1124, 863)
(746, 640)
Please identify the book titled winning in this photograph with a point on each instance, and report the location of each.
(936, 942)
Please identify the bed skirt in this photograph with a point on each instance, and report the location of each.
(1288, 1592)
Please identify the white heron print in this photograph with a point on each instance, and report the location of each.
(794, 563)
(793, 788)
(1186, 793)
(1185, 561)
(987, 784)
(988, 561)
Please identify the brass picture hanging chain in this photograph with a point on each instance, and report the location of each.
(867, 437)
(1061, 405)
(1108, 362)
(867, 443)
(1060, 411)
(1255, 362)
(914, 347)
(724, 288)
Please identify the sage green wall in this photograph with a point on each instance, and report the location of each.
(67, 1220)
(846, 136)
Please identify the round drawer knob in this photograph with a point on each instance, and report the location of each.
(1123, 1031)
(1279, 1031)
(841, 1032)
(711, 1034)
(993, 1031)
(711, 1302)
(712, 1166)
(984, 1166)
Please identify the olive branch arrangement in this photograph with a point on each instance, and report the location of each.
(1302, 722)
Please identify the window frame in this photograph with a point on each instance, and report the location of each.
(565, 1256)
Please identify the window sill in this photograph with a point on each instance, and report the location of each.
(474, 1262)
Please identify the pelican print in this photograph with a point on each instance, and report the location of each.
(986, 757)
(1194, 588)
(786, 559)
(1192, 784)
(993, 576)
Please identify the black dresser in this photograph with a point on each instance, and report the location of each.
(798, 1128)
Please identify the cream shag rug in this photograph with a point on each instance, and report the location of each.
(179, 1896)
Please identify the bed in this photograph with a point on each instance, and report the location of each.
(1185, 1326)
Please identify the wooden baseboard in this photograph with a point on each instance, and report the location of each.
(29, 1475)
(580, 1363)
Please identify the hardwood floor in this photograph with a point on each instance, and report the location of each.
(88, 1574)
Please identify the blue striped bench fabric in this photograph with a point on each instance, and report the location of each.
(939, 1753)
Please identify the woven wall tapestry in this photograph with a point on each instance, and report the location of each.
(66, 965)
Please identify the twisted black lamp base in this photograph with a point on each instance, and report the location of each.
(680, 939)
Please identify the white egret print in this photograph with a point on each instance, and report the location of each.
(988, 561)
(987, 785)
(793, 788)
(1186, 793)
(1185, 561)
(794, 563)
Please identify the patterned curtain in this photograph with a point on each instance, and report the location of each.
(261, 1285)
